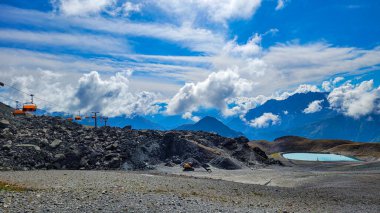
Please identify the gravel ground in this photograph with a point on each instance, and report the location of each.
(118, 191)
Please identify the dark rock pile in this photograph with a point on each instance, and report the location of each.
(43, 142)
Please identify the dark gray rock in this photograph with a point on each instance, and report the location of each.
(35, 147)
(4, 124)
(55, 143)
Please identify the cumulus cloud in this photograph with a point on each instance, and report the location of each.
(331, 84)
(212, 92)
(313, 107)
(326, 86)
(355, 100)
(265, 120)
(303, 88)
(110, 96)
(241, 105)
(189, 115)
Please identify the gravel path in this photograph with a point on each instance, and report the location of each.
(117, 191)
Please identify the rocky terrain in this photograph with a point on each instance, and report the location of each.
(44, 142)
(118, 191)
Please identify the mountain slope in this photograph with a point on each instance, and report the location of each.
(342, 127)
(210, 124)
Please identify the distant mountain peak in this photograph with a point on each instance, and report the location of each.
(211, 124)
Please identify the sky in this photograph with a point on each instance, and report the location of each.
(179, 57)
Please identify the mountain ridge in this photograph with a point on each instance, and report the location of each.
(211, 124)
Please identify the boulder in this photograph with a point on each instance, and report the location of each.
(7, 146)
(59, 157)
(112, 146)
(4, 124)
(55, 143)
(37, 148)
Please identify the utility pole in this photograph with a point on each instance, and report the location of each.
(95, 119)
(105, 119)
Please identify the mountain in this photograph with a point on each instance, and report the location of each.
(137, 122)
(211, 124)
(168, 121)
(364, 129)
(324, 124)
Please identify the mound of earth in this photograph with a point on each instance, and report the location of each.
(44, 142)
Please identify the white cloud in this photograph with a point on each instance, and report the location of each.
(183, 34)
(337, 80)
(212, 10)
(16, 62)
(303, 88)
(212, 92)
(241, 105)
(237, 70)
(326, 86)
(355, 100)
(87, 42)
(250, 49)
(111, 96)
(189, 115)
(265, 120)
(313, 107)
(82, 7)
(281, 4)
(331, 84)
(129, 7)
(285, 112)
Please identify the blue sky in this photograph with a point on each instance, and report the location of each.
(123, 57)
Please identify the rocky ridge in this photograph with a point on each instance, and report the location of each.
(44, 142)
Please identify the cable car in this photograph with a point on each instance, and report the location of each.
(78, 117)
(70, 119)
(18, 111)
(29, 107)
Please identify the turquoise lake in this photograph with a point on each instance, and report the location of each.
(317, 157)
